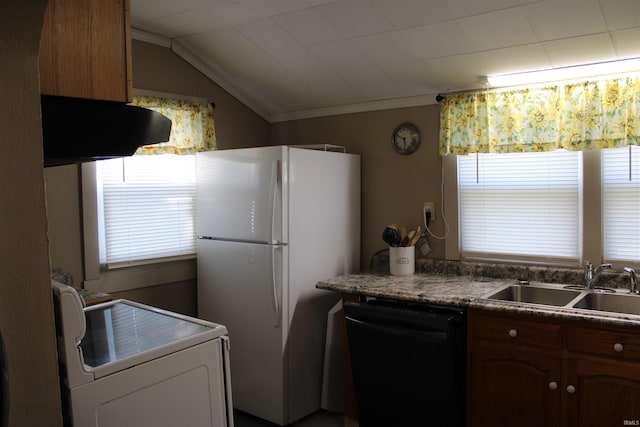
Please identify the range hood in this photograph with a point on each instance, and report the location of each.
(76, 130)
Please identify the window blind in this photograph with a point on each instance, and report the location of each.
(621, 203)
(524, 206)
(147, 208)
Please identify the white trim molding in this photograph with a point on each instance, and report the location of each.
(147, 37)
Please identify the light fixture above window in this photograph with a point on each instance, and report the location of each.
(566, 73)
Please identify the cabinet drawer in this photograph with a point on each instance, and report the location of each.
(612, 343)
(515, 330)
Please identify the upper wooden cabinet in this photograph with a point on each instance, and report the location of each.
(85, 50)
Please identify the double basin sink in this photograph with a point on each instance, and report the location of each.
(619, 302)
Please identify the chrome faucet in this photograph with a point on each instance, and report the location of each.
(590, 276)
(633, 282)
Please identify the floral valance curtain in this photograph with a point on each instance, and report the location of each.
(573, 116)
(192, 128)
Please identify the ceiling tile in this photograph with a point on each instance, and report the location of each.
(316, 75)
(210, 55)
(435, 40)
(309, 27)
(413, 13)
(467, 71)
(385, 48)
(515, 59)
(494, 30)
(266, 80)
(626, 43)
(464, 8)
(411, 76)
(146, 10)
(226, 43)
(621, 14)
(374, 85)
(318, 2)
(355, 68)
(553, 20)
(268, 35)
(342, 56)
(355, 17)
(216, 15)
(188, 4)
(580, 50)
(390, 52)
(272, 7)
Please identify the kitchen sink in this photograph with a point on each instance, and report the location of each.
(615, 303)
(567, 298)
(534, 294)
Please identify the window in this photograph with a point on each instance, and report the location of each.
(146, 208)
(520, 206)
(621, 203)
(138, 212)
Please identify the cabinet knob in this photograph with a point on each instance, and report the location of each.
(618, 347)
(553, 385)
(571, 389)
(513, 333)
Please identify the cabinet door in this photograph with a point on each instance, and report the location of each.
(85, 50)
(513, 385)
(606, 392)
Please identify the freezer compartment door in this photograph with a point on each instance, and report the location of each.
(240, 286)
(240, 194)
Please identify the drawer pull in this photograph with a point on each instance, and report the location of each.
(553, 385)
(513, 333)
(618, 347)
(571, 389)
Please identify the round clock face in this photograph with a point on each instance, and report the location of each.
(405, 138)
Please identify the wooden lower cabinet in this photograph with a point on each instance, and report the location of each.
(510, 383)
(607, 392)
(532, 371)
(509, 386)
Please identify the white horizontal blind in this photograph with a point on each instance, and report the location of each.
(524, 206)
(621, 203)
(148, 206)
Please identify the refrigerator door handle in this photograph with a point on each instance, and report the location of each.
(274, 289)
(275, 179)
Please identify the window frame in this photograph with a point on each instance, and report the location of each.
(100, 279)
(116, 168)
(629, 157)
(591, 242)
(496, 193)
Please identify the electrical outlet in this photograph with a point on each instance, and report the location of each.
(429, 207)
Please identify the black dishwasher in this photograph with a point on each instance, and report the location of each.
(408, 362)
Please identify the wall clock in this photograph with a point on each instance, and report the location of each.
(405, 138)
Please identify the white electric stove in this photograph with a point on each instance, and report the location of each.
(129, 364)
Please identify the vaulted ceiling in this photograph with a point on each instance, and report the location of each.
(303, 58)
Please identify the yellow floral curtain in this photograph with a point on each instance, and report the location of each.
(573, 116)
(192, 127)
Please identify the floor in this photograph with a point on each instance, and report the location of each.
(319, 419)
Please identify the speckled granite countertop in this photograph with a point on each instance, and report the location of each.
(461, 291)
(426, 288)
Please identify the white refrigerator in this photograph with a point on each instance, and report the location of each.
(271, 223)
